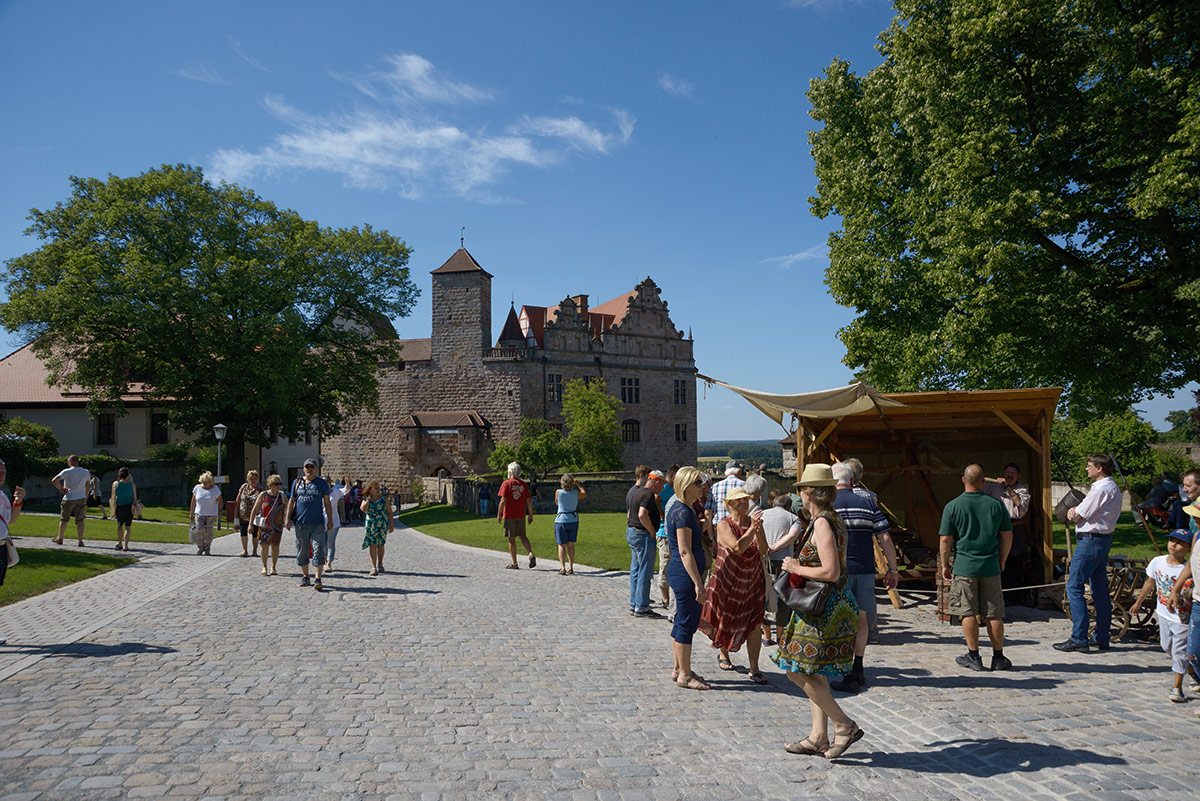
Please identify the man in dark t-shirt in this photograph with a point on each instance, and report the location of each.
(979, 529)
(643, 515)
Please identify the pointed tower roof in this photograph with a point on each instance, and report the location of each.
(461, 262)
(512, 328)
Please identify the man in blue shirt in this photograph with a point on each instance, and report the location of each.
(311, 512)
(864, 522)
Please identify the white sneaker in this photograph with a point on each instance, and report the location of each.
(1177, 695)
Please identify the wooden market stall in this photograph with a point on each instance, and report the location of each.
(915, 445)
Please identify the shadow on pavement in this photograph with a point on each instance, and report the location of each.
(981, 758)
(379, 591)
(421, 575)
(79, 650)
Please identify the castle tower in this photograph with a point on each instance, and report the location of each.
(462, 311)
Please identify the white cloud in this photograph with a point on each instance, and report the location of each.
(815, 253)
(241, 53)
(411, 150)
(675, 86)
(201, 73)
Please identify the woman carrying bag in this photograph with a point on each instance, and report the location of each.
(820, 643)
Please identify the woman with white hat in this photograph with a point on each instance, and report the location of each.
(816, 646)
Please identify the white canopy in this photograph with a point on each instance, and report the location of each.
(825, 404)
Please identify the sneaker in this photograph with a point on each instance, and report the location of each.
(304, 582)
(3, 641)
(1193, 685)
(1001, 662)
(649, 613)
(532, 561)
(1177, 695)
(317, 586)
(969, 660)
(1071, 645)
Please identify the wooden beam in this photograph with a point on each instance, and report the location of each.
(1047, 503)
(1008, 421)
(829, 429)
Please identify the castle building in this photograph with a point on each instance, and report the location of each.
(456, 394)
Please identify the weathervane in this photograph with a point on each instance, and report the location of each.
(461, 236)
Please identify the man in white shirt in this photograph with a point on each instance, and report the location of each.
(337, 497)
(1016, 499)
(73, 484)
(1095, 518)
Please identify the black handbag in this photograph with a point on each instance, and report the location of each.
(810, 598)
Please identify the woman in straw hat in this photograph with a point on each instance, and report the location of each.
(815, 647)
(735, 596)
(683, 573)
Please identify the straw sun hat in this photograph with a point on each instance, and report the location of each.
(817, 475)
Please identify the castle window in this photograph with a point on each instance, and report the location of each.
(106, 429)
(681, 432)
(554, 386)
(681, 393)
(158, 428)
(630, 391)
(631, 431)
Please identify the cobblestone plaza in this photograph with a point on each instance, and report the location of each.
(448, 677)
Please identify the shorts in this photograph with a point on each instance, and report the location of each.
(566, 532)
(76, 509)
(123, 514)
(1173, 637)
(975, 595)
(862, 587)
(514, 527)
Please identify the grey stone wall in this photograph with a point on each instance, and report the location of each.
(606, 493)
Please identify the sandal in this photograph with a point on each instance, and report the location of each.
(374, 572)
(724, 664)
(513, 566)
(838, 748)
(692, 682)
(757, 677)
(808, 747)
(571, 571)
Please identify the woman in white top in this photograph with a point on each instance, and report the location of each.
(203, 511)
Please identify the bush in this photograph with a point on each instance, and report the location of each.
(418, 491)
(168, 452)
(22, 445)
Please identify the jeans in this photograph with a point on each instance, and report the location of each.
(331, 539)
(1089, 565)
(641, 566)
(310, 534)
(1193, 646)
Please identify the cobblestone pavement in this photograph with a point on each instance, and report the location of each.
(449, 677)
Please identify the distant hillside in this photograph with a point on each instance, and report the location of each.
(751, 452)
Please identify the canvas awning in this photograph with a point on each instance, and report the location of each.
(822, 405)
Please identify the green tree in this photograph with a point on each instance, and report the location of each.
(1125, 437)
(593, 441)
(1185, 425)
(538, 450)
(210, 300)
(23, 443)
(1018, 185)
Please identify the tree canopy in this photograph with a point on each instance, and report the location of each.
(1019, 190)
(593, 442)
(539, 449)
(211, 301)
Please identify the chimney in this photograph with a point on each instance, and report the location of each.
(581, 304)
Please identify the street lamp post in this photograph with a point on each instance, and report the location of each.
(219, 432)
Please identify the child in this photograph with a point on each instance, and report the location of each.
(1161, 573)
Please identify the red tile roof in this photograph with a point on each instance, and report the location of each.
(461, 262)
(23, 383)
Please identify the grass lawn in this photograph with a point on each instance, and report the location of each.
(152, 514)
(97, 529)
(42, 570)
(1129, 538)
(601, 534)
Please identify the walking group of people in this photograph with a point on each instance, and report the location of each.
(80, 488)
(315, 509)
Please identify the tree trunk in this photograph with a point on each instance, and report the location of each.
(233, 462)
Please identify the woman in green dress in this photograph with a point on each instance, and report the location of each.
(815, 647)
(378, 525)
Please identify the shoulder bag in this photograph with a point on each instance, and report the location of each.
(801, 595)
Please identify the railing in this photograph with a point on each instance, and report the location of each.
(513, 354)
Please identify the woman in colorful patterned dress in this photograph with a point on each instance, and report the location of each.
(379, 524)
(815, 647)
(736, 598)
(246, 496)
(267, 514)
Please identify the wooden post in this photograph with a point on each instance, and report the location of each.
(1044, 423)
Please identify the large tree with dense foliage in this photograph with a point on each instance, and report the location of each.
(593, 442)
(1019, 190)
(212, 301)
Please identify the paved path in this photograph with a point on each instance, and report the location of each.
(453, 678)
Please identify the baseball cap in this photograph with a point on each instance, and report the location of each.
(1181, 534)
(310, 463)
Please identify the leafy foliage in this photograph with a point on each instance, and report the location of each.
(1125, 437)
(1185, 424)
(750, 453)
(593, 441)
(22, 445)
(211, 301)
(1019, 190)
(539, 450)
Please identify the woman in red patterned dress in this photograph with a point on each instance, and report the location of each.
(733, 610)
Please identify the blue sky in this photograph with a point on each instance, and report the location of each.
(583, 146)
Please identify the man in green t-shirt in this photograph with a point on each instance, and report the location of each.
(978, 528)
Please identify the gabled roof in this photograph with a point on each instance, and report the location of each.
(600, 318)
(461, 262)
(456, 419)
(617, 307)
(23, 383)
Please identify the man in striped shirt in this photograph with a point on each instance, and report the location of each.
(864, 522)
(735, 476)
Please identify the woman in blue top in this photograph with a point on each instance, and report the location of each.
(124, 496)
(566, 522)
(687, 565)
